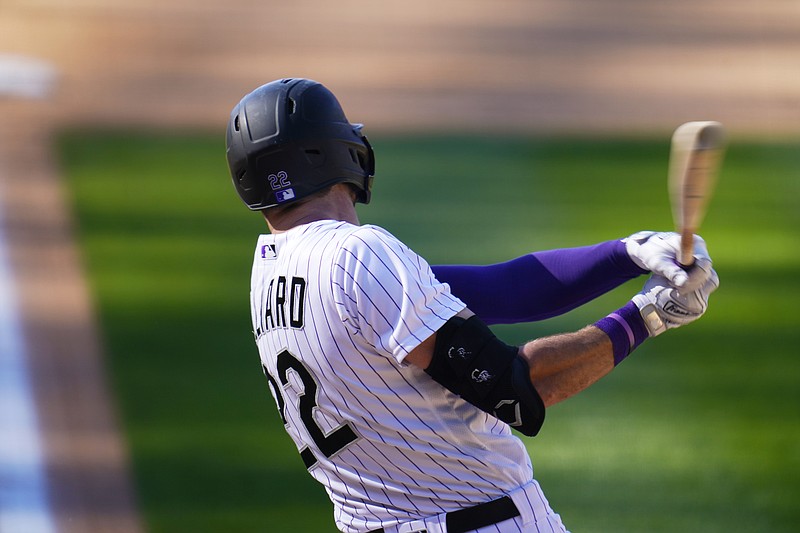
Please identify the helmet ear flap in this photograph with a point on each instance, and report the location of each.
(364, 157)
(368, 163)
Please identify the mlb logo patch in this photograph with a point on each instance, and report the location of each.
(284, 195)
(269, 251)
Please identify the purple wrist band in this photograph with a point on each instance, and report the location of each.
(625, 327)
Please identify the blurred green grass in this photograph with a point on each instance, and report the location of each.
(697, 431)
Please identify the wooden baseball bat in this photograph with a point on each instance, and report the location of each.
(696, 154)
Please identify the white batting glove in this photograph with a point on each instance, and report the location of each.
(658, 253)
(664, 307)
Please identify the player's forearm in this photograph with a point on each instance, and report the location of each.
(564, 365)
(539, 285)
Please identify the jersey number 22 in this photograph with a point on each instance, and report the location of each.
(329, 444)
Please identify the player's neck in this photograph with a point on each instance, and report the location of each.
(334, 206)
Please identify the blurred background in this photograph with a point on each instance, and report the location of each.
(128, 254)
(550, 65)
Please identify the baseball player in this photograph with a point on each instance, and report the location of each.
(400, 400)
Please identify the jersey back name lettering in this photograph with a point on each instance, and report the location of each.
(284, 306)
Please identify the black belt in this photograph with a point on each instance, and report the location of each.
(481, 515)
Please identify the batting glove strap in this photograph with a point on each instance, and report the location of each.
(626, 329)
(664, 307)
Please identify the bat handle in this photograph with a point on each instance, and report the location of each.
(686, 256)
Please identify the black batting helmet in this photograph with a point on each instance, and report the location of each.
(289, 139)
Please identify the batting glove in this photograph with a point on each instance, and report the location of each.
(664, 307)
(657, 252)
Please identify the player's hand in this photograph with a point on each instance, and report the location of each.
(658, 253)
(664, 307)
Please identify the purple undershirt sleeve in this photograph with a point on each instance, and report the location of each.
(539, 285)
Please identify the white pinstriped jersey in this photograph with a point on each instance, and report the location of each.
(336, 308)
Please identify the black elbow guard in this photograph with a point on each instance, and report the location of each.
(469, 360)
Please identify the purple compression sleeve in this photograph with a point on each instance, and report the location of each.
(539, 285)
